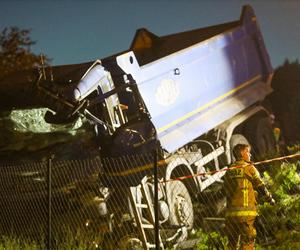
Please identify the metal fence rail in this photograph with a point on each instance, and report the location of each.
(83, 204)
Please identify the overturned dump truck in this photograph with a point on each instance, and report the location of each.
(190, 97)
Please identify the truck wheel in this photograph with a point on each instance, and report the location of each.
(129, 242)
(180, 205)
(261, 136)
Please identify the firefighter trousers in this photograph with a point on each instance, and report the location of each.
(241, 232)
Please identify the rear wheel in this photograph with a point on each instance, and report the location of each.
(129, 242)
(180, 205)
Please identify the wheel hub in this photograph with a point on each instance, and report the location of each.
(182, 208)
(130, 243)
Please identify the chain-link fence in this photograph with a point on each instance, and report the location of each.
(117, 203)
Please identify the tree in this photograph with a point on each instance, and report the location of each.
(15, 51)
(285, 99)
(18, 90)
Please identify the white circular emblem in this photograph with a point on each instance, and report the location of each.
(167, 92)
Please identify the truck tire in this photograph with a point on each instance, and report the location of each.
(130, 242)
(261, 137)
(180, 205)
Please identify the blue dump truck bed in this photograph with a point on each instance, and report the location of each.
(193, 81)
(190, 82)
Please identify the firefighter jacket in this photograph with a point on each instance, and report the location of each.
(240, 184)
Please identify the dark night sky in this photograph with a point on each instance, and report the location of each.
(78, 31)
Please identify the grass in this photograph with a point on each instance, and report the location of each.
(65, 239)
(13, 243)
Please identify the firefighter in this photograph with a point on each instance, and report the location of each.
(242, 183)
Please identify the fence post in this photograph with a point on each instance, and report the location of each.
(156, 226)
(49, 204)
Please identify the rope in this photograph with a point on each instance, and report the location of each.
(230, 168)
(278, 159)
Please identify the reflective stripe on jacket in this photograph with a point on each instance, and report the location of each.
(239, 184)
